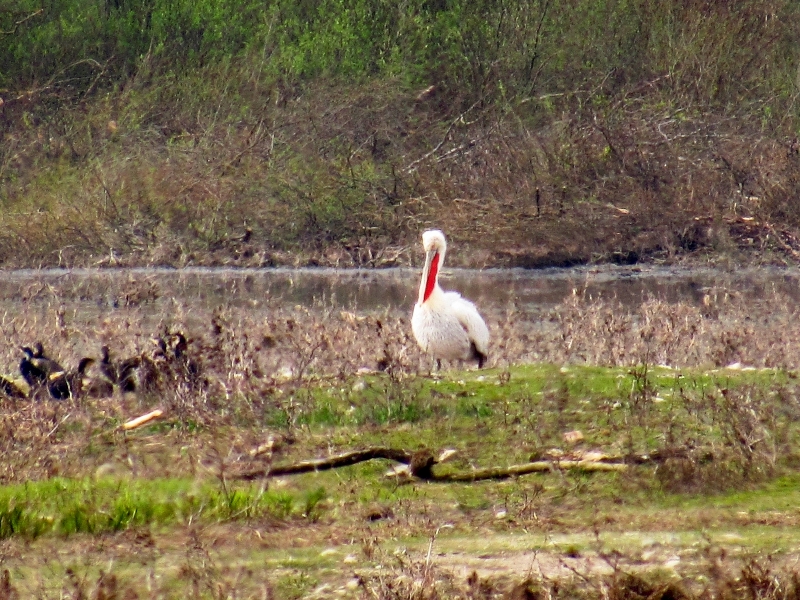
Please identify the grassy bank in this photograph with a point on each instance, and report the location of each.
(702, 506)
(159, 510)
(542, 133)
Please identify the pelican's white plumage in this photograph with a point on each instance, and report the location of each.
(445, 325)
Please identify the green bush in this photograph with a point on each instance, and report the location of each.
(715, 50)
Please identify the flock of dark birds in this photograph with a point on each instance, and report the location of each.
(46, 378)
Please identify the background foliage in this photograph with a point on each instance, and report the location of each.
(170, 131)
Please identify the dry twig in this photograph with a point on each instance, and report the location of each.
(139, 421)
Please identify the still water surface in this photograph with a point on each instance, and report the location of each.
(371, 290)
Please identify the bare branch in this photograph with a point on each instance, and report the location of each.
(323, 464)
(413, 166)
(21, 21)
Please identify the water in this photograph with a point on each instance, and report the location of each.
(374, 290)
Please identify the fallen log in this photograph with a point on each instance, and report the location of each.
(532, 467)
(421, 463)
(332, 462)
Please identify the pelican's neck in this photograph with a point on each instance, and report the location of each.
(430, 276)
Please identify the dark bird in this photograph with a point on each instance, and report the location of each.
(10, 389)
(107, 367)
(180, 345)
(36, 368)
(31, 372)
(155, 366)
(128, 374)
(187, 366)
(63, 385)
(45, 361)
(143, 372)
(122, 373)
(97, 387)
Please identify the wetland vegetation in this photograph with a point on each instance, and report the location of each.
(698, 401)
(535, 133)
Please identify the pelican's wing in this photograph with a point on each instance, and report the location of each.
(471, 321)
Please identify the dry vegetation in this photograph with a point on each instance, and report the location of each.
(350, 177)
(535, 133)
(257, 364)
(251, 349)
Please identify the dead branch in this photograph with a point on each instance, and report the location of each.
(420, 465)
(139, 421)
(658, 456)
(21, 21)
(460, 118)
(333, 462)
(542, 466)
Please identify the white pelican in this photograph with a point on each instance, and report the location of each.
(445, 325)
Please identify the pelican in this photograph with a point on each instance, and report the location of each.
(445, 325)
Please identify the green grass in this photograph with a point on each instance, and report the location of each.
(94, 506)
(613, 407)
(781, 494)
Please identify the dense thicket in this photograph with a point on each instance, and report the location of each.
(349, 125)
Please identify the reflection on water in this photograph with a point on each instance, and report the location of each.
(370, 290)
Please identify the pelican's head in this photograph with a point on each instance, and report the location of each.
(433, 241)
(435, 247)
